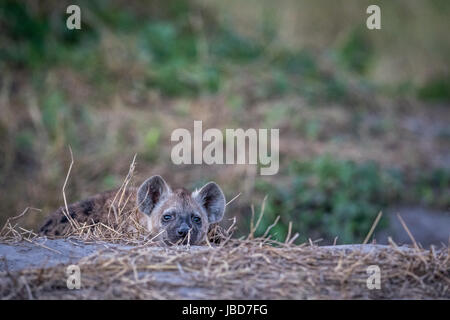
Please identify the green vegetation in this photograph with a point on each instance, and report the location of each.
(433, 188)
(357, 53)
(328, 198)
(177, 58)
(325, 197)
(437, 89)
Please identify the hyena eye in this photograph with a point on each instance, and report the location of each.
(196, 219)
(167, 217)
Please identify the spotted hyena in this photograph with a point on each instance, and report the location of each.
(173, 216)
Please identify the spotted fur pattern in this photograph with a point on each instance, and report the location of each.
(95, 209)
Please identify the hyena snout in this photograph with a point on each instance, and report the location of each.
(183, 230)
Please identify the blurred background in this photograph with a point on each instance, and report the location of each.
(363, 114)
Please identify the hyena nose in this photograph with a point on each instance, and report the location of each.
(183, 230)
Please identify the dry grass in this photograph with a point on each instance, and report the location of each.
(245, 268)
(226, 268)
(241, 269)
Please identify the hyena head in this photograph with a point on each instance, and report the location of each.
(178, 216)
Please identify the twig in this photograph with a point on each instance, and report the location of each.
(237, 196)
(73, 223)
(374, 225)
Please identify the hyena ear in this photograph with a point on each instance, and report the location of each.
(212, 199)
(151, 192)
